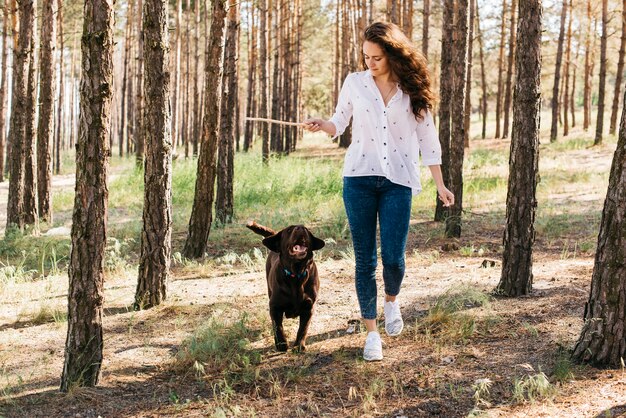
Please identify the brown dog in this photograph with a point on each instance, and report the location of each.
(292, 280)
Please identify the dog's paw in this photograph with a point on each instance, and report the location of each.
(282, 346)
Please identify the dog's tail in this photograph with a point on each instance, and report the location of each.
(260, 229)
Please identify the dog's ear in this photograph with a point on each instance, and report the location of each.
(273, 242)
(316, 243)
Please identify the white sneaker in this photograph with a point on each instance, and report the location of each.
(373, 350)
(393, 319)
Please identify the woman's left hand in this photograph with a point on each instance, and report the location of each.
(446, 196)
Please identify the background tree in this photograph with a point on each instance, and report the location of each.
(554, 127)
(3, 83)
(230, 89)
(30, 157)
(83, 346)
(263, 77)
(19, 114)
(602, 340)
(45, 128)
(510, 70)
(521, 200)
(202, 210)
(156, 235)
(138, 131)
(500, 69)
(457, 122)
(445, 97)
(58, 135)
(602, 86)
(619, 73)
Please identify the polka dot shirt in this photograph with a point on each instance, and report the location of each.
(386, 140)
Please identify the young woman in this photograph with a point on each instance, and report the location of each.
(392, 125)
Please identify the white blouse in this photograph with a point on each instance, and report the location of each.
(386, 141)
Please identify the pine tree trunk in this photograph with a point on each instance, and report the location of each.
(573, 92)
(602, 340)
(156, 236)
(587, 75)
(176, 76)
(568, 55)
(83, 347)
(483, 77)
(3, 85)
(58, 136)
(139, 128)
(251, 88)
(346, 138)
(554, 127)
(603, 63)
(226, 147)
(468, 85)
(425, 28)
(393, 12)
(509, 74)
(30, 159)
(127, 40)
(46, 111)
(195, 124)
(19, 116)
(201, 213)
(130, 104)
(445, 94)
(620, 72)
(263, 77)
(519, 234)
(457, 123)
(500, 69)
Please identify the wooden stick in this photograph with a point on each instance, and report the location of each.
(278, 122)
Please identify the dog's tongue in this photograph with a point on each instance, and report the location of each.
(299, 249)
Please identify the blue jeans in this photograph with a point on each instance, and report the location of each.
(367, 198)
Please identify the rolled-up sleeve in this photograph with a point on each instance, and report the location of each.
(428, 140)
(343, 111)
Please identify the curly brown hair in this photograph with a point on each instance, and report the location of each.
(406, 63)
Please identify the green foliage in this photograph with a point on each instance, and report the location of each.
(222, 350)
(533, 387)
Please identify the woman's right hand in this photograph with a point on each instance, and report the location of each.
(313, 124)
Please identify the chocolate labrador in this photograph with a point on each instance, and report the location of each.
(292, 280)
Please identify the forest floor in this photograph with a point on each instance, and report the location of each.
(492, 357)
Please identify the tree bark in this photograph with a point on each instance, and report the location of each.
(425, 28)
(30, 159)
(468, 85)
(83, 347)
(125, 71)
(554, 127)
(500, 69)
(602, 340)
(19, 115)
(139, 128)
(619, 74)
(226, 151)
(483, 77)
(252, 71)
(603, 62)
(568, 55)
(46, 111)
(3, 85)
(509, 74)
(588, 71)
(156, 236)
(195, 120)
(445, 94)
(201, 213)
(176, 67)
(457, 125)
(519, 234)
(263, 85)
